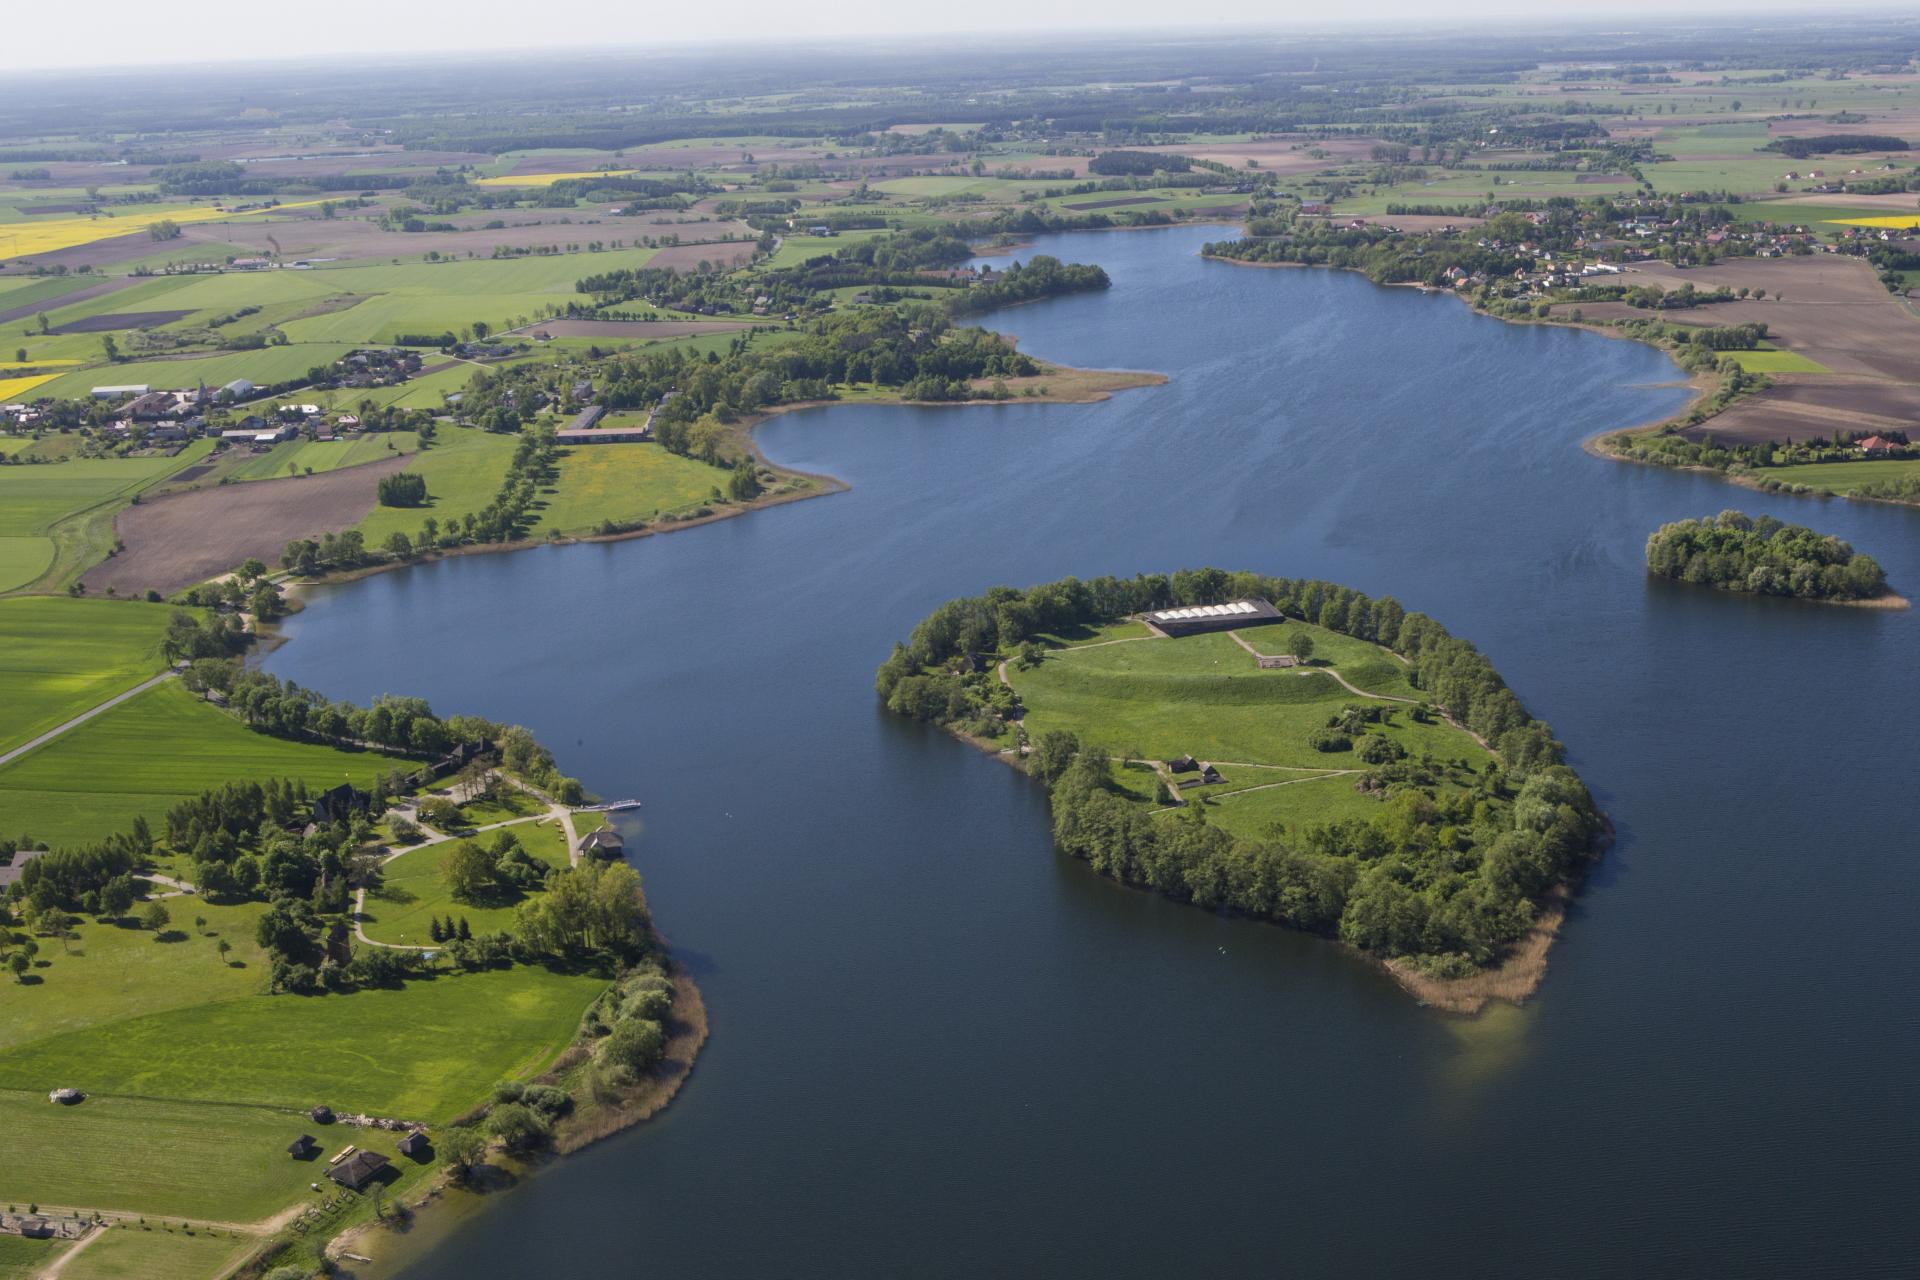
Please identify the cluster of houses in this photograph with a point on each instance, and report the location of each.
(377, 367)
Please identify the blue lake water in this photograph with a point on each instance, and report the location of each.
(941, 1049)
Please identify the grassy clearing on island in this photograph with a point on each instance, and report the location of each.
(624, 483)
(1205, 696)
(131, 1252)
(426, 1051)
(149, 753)
(413, 894)
(463, 471)
(64, 655)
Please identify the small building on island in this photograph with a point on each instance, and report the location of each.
(303, 1147)
(1185, 764)
(356, 1170)
(1198, 619)
(415, 1146)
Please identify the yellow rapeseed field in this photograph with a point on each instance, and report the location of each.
(548, 179)
(13, 388)
(1900, 220)
(50, 235)
(9, 366)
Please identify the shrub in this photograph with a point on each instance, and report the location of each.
(403, 489)
(1329, 740)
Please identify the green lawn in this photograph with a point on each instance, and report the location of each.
(427, 1051)
(413, 893)
(149, 753)
(624, 483)
(63, 655)
(1203, 695)
(156, 1253)
(463, 470)
(22, 1259)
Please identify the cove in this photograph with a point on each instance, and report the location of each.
(940, 1049)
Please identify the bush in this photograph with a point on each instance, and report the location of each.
(403, 489)
(518, 1127)
(636, 1044)
(1329, 740)
(1376, 749)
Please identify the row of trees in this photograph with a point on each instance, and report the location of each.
(1761, 555)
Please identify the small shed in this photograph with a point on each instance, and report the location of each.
(322, 1114)
(303, 1147)
(1185, 764)
(1209, 775)
(415, 1146)
(358, 1169)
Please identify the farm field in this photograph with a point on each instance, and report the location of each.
(149, 753)
(426, 1051)
(1845, 477)
(58, 518)
(321, 456)
(131, 1252)
(12, 389)
(1776, 362)
(49, 235)
(624, 483)
(413, 894)
(63, 656)
(22, 1259)
(463, 471)
(265, 367)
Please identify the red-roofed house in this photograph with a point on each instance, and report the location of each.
(1873, 445)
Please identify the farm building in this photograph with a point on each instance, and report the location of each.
(114, 393)
(358, 1169)
(605, 842)
(604, 435)
(1185, 764)
(415, 1146)
(1193, 620)
(1269, 661)
(303, 1147)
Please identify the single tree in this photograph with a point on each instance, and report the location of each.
(155, 916)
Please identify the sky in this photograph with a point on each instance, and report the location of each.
(135, 32)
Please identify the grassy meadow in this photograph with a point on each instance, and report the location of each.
(149, 753)
(1845, 477)
(624, 483)
(463, 471)
(64, 655)
(413, 894)
(57, 520)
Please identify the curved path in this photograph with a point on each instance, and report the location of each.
(85, 716)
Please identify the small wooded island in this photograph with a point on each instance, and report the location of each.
(1284, 748)
(1759, 555)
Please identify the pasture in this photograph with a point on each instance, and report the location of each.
(463, 471)
(147, 754)
(158, 1252)
(426, 1051)
(1845, 477)
(64, 655)
(59, 518)
(1764, 361)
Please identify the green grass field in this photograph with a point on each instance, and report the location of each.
(324, 455)
(1776, 362)
(463, 471)
(1844, 477)
(64, 655)
(59, 517)
(156, 1253)
(426, 1051)
(413, 893)
(22, 1259)
(624, 483)
(147, 754)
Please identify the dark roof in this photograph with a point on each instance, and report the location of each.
(321, 1114)
(415, 1144)
(358, 1169)
(1185, 764)
(605, 838)
(302, 1145)
(339, 803)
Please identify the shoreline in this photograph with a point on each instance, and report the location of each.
(1084, 386)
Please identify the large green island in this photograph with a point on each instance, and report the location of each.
(1287, 749)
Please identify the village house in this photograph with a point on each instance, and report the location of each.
(354, 1169)
(605, 843)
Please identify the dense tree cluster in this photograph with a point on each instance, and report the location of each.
(1447, 876)
(1762, 556)
(403, 489)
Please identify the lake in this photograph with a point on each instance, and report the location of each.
(941, 1049)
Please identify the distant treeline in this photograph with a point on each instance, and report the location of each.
(1762, 556)
(1836, 144)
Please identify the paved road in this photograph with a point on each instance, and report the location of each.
(83, 717)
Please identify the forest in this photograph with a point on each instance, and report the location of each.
(1759, 555)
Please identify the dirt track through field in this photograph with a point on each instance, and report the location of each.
(183, 538)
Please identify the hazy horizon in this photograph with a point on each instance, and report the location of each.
(245, 31)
